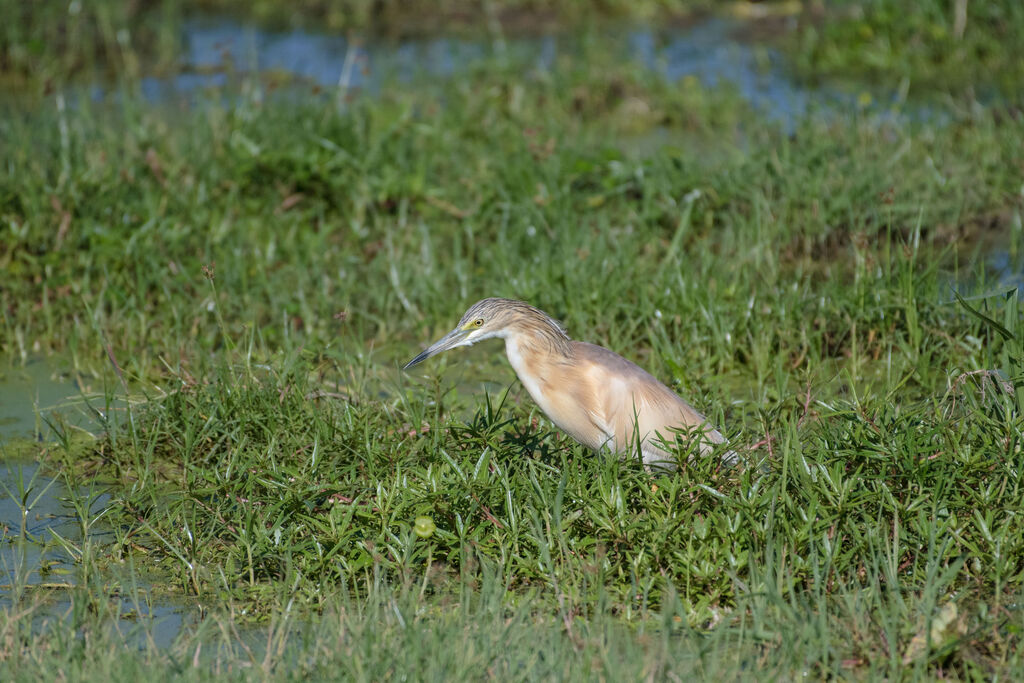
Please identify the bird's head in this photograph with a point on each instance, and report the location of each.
(486, 319)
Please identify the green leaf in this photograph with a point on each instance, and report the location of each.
(1006, 334)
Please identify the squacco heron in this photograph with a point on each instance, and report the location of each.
(593, 394)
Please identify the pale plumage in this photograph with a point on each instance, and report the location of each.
(593, 394)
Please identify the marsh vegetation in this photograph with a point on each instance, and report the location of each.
(229, 282)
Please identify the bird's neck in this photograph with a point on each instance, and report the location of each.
(534, 356)
(529, 345)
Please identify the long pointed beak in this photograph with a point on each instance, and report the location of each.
(450, 340)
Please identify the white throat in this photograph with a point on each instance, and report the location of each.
(515, 357)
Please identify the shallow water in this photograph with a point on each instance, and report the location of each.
(38, 512)
(33, 392)
(1007, 271)
(215, 52)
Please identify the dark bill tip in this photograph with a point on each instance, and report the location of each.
(446, 342)
(418, 359)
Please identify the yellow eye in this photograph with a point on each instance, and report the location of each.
(478, 322)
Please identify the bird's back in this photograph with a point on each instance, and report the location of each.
(634, 405)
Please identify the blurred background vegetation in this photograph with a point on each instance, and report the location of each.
(945, 43)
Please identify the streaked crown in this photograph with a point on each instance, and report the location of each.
(496, 314)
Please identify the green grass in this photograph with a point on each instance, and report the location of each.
(391, 632)
(937, 46)
(441, 198)
(796, 287)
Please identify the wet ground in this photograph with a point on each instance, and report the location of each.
(44, 522)
(37, 514)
